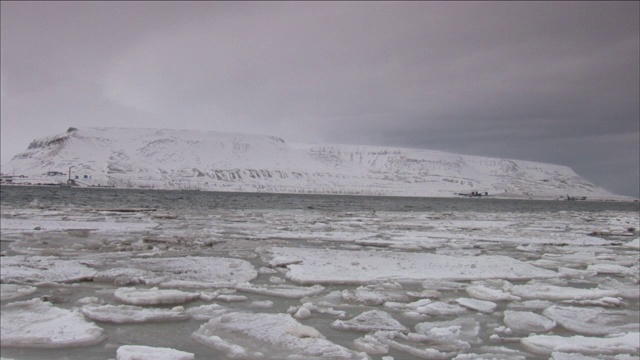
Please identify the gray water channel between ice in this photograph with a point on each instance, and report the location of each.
(222, 276)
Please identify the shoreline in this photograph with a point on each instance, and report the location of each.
(502, 196)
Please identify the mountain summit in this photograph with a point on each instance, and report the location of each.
(212, 161)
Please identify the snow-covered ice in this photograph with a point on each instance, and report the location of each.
(198, 271)
(482, 306)
(129, 314)
(249, 336)
(372, 320)
(38, 324)
(595, 320)
(139, 352)
(527, 321)
(464, 330)
(285, 291)
(12, 291)
(153, 296)
(556, 293)
(628, 343)
(313, 266)
(29, 269)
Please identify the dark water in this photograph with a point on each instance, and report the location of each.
(172, 200)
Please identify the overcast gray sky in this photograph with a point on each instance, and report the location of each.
(553, 82)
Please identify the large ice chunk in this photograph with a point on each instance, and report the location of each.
(129, 314)
(284, 291)
(628, 343)
(11, 291)
(274, 336)
(428, 307)
(483, 306)
(458, 330)
(123, 276)
(138, 352)
(38, 324)
(527, 321)
(614, 269)
(207, 312)
(313, 266)
(38, 269)
(554, 292)
(633, 244)
(370, 321)
(376, 294)
(486, 293)
(594, 321)
(153, 296)
(198, 270)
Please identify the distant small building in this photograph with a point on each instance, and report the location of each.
(54, 173)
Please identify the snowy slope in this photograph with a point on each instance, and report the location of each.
(173, 159)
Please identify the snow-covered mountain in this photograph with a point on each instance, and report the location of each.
(173, 159)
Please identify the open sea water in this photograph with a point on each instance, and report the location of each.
(172, 200)
(239, 223)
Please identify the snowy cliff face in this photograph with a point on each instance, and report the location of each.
(172, 159)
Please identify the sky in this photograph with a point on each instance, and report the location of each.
(554, 82)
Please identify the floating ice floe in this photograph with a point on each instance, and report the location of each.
(553, 292)
(492, 353)
(38, 324)
(129, 314)
(370, 345)
(486, 293)
(428, 307)
(488, 356)
(606, 301)
(313, 266)
(306, 309)
(62, 225)
(576, 273)
(530, 305)
(138, 352)
(263, 304)
(284, 291)
(527, 321)
(594, 321)
(444, 285)
(460, 332)
(12, 291)
(231, 298)
(575, 356)
(271, 336)
(628, 343)
(415, 345)
(483, 306)
(197, 271)
(633, 244)
(123, 276)
(153, 296)
(626, 289)
(206, 312)
(372, 320)
(39, 269)
(438, 308)
(570, 356)
(614, 269)
(376, 294)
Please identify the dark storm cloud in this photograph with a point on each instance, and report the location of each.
(542, 81)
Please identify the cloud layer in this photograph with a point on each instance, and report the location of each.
(552, 82)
